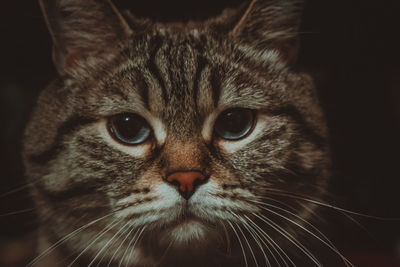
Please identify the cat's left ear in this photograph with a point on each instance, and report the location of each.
(269, 24)
(82, 31)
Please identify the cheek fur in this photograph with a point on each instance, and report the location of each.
(164, 204)
(211, 202)
(173, 79)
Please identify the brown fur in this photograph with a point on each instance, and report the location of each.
(180, 78)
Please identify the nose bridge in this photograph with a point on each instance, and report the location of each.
(183, 156)
(185, 165)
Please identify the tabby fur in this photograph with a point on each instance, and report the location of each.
(179, 77)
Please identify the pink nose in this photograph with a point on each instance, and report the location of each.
(186, 182)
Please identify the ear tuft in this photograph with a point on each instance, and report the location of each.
(267, 24)
(81, 29)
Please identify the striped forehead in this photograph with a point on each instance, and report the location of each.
(173, 74)
(181, 81)
(175, 65)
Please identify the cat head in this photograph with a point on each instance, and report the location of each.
(171, 135)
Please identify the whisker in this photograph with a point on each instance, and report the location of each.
(260, 238)
(289, 237)
(65, 238)
(108, 242)
(280, 202)
(297, 216)
(250, 230)
(273, 244)
(248, 244)
(127, 248)
(228, 240)
(17, 212)
(333, 248)
(338, 209)
(20, 187)
(104, 231)
(120, 245)
(113, 242)
(363, 228)
(240, 242)
(165, 253)
(296, 196)
(134, 244)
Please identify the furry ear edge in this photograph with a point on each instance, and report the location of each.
(270, 24)
(124, 23)
(80, 29)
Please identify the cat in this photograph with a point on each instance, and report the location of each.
(181, 144)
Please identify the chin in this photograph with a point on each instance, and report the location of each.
(187, 232)
(192, 241)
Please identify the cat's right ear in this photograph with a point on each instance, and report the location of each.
(82, 30)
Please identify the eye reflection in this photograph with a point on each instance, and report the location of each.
(129, 128)
(234, 123)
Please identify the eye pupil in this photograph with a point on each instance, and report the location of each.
(235, 123)
(129, 128)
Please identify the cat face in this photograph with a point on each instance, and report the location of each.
(167, 141)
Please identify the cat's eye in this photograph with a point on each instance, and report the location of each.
(234, 123)
(129, 128)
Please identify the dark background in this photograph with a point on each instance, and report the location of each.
(350, 47)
